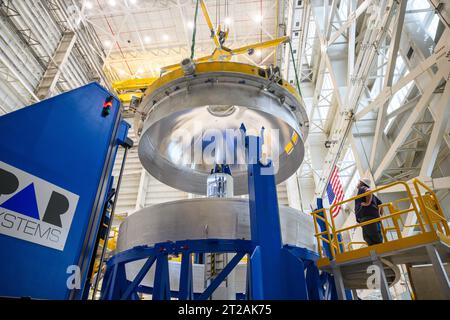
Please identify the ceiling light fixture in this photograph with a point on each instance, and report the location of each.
(258, 18)
(88, 5)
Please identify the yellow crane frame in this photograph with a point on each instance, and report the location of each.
(220, 53)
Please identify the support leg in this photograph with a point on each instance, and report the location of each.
(161, 283)
(384, 286)
(186, 285)
(439, 270)
(338, 281)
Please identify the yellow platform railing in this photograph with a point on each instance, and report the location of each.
(424, 205)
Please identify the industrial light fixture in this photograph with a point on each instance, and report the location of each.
(190, 25)
(258, 18)
(88, 5)
(165, 37)
(112, 3)
(228, 21)
(147, 39)
(107, 43)
(258, 53)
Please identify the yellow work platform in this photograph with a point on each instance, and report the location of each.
(410, 250)
(350, 261)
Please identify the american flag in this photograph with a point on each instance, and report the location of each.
(335, 191)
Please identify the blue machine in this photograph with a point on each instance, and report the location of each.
(56, 160)
(274, 271)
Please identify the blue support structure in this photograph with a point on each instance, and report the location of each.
(275, 271)
(56, 160)
(161, 285)
(115, 285)
(139, 277)
(264, 226)
(186, 278)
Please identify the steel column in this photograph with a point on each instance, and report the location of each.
(384, 286)
(161, 284)
(186, 278)
(338, 281)
(439, 270)
(264, 224)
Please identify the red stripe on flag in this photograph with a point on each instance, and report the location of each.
(336, 185)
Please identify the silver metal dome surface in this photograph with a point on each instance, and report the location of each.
(190, 106)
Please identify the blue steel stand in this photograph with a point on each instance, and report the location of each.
(117, 287)
(275, 271)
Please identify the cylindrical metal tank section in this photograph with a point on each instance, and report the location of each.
(204, 218)
(189, 121)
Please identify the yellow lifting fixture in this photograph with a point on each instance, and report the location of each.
(128, 89)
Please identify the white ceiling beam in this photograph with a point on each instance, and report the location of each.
(344, 120)
(394, 46)
(406, 129)
(440, 125)
(412, 75)
(350, 20)
(403, 108)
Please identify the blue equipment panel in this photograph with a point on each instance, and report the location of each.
(61, 152)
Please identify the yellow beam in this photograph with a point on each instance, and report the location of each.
(209, 22)
(260, 45)
(127, 97)
(133, 84)
(177, 65)
(226, 54)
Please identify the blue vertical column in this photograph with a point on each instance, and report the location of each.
(266, 261)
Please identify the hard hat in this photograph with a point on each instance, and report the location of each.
(366, 181)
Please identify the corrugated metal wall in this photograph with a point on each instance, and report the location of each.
(158, 192)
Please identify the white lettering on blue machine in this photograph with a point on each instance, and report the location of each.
(33, 209)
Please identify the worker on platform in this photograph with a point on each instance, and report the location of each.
(368, 208)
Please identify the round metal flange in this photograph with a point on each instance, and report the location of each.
(218, 98)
